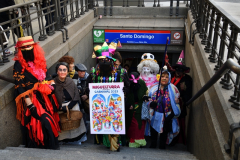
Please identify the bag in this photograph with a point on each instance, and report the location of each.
(145, 113)
(157, 121)
(71, 119)
(86, 106)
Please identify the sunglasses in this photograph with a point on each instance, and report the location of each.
(28, 47)
(62, 70)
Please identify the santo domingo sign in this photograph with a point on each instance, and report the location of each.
(138, 36)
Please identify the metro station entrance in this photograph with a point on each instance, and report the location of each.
(133, 57)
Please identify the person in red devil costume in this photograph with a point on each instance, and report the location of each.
(36, 104)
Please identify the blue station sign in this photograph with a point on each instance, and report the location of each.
(138, 36)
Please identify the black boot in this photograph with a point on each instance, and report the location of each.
(154, 136)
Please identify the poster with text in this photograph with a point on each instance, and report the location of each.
(107, 114)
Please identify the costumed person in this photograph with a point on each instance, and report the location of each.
(68, 99)
(164, 120)
(118, 61)
(70, 61)
(106, 72)
(148, 69)
(36, 105)
(135, 126)
(184, 84)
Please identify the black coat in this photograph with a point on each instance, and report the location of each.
(4, 15)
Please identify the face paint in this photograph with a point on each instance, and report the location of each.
(62, 71)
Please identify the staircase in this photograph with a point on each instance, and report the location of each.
(90, 151)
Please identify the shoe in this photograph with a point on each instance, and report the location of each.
(7, 53)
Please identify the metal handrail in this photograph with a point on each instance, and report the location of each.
(228, 65)
(55, 14)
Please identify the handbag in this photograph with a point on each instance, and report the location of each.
(145, 113)
(71, 119)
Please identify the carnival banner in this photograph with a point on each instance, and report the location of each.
(107, 114)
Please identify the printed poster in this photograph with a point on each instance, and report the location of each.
(107, 114)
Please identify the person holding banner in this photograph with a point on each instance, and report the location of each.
(167, 110)
(106, 72)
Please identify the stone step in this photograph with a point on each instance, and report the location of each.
(91, 151)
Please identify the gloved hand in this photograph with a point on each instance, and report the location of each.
(125, 89)
(33, 111)
(153, 104)
(146, 98)
(64, 109)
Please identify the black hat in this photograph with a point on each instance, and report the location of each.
(80, 67)
(181, 68)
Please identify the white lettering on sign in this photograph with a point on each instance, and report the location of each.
(137, 36)
(126, 36)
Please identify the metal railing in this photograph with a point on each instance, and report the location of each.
(219, 33)
(137, 3)
(39, 22)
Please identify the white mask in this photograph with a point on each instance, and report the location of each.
(146, 71)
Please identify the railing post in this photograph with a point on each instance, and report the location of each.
(50, 18)
(233, 38)
(138, 3)
(71, 11)
(42, 36)
(105, 7)
(158, 5)
(203, 22)
(91, 4)
(97, 5)
(235, 98)
(77, 9)
(177, 8)
(123, 3)
(154, 3)
(111, 7)
(208, 48)
(86, 6)
(82, 8)
(127, 4)
(66, 22)
(171, 7)
(205, 40)
(143, 5)
(212, 56)
(222, 44)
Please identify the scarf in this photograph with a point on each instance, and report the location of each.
(71, 88)
(84, 78)
(177, 81)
